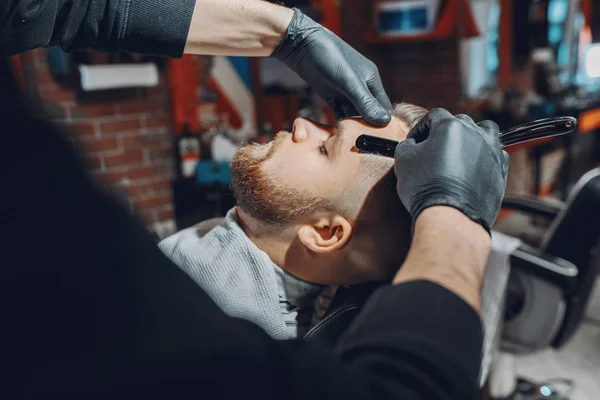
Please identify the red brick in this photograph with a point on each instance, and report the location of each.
(83, 128)
(162, 186)
(123, 125)
(157, 142)
(153, 202)
(135, 107)
(52, 93)
(136, 172)
(164, 215)
(163, 102)
(139, 189)
(112, 177)
(146, 171)
(158, 90)
(92, 110)
(130, 142)
(104, 144)
(140, 106)
(153, 122)
(118, 160)
(160, 154)
(139, 141)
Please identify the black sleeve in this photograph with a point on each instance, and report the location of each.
(157, 27)
(424, 335)
(91, 308)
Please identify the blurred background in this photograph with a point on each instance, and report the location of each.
(160, 133)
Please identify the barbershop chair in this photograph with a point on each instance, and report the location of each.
(547, 296)
(550, 281)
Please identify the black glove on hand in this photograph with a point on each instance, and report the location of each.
(452, 161)
(346, 80)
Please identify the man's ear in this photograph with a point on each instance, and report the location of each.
(327, 235)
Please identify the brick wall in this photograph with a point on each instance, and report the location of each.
(425, 73)
(126, 140)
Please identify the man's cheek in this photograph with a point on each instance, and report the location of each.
(326, 183)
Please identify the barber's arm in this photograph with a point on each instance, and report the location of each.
(144, 26)
(425, 328)
(346, 80)
(453, 172)
(451, 177)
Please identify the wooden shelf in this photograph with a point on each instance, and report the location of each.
(447, 26)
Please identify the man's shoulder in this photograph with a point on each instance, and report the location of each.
(171, 243)
(208, 243)
(189, 236)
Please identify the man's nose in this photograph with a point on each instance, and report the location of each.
(300, 130)
(304, 129)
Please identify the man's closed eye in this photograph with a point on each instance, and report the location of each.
(321, 149)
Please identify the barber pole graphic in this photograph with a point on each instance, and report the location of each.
(230, 79)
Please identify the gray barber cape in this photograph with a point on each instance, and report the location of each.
(246, 284)
(242, 280)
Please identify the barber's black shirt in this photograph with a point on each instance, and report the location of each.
(90, 308)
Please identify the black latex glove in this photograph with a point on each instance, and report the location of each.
(452, 161)
(345, 79)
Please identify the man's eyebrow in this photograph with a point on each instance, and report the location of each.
(340, 143)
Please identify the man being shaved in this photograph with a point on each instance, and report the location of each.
(311, 212)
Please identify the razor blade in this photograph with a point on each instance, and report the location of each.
(538, 129)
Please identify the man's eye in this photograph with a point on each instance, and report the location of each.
(322, 150)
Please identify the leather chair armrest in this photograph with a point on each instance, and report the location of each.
(545, 266)
(533, 206)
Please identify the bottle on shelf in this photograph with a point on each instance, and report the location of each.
(188, 147)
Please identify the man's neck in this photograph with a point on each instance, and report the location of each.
(275, 247)
(285, 249)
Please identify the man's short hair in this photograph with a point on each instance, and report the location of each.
(374, 167)
(382, 219)
(408, 113)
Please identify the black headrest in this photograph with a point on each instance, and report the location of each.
(345, 306)
(575, 230)
(575, 236)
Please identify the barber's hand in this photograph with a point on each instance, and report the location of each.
(345, 79)
(452, 161)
